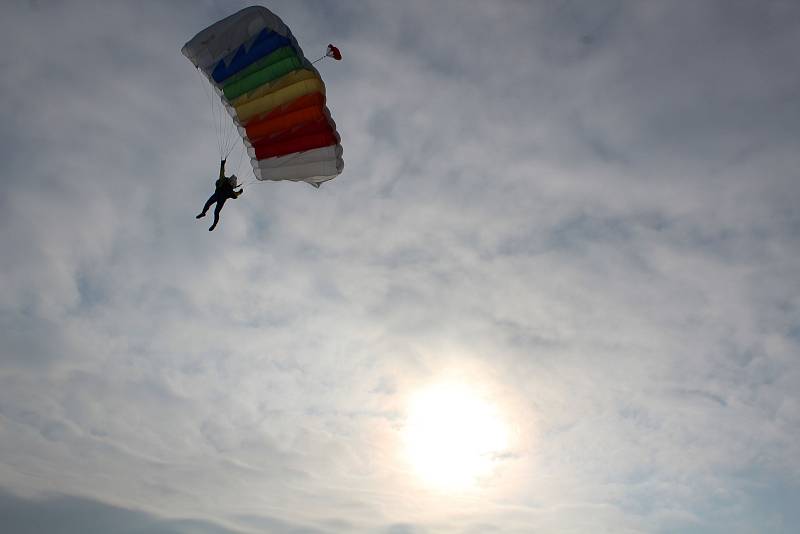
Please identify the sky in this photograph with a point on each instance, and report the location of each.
(555, 289)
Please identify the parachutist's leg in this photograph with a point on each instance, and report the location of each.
(211, 200)
(220, 203)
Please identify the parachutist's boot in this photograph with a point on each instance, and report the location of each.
(200, 216)
(212, 227)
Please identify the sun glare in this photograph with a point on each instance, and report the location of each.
(453, 436)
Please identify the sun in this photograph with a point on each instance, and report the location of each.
(453, 436)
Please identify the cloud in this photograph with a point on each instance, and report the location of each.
(76, 515)
(588, 212)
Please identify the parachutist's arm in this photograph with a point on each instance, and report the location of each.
(222, 169)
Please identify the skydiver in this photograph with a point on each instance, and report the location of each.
(223, 190)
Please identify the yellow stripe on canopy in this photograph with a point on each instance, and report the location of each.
(276, 85)
(267, 103)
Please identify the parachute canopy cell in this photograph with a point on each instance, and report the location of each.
(273, 94)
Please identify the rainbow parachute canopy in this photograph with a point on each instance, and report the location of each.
(273, 93)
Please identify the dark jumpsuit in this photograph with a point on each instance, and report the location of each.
(223, 190)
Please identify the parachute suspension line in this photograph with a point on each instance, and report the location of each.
(230, 131)
(217, 122)
(209, 94)
(231, 139)
(215, 115)
(224, 128)
(239, 161)
(231, 144)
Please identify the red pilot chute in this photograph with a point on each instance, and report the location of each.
(334, 53)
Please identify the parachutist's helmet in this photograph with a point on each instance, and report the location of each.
(233, 179)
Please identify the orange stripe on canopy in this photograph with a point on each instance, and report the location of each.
(261, 129)
(305, 101)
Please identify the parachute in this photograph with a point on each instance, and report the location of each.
(273, 94)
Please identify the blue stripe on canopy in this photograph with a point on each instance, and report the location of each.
(266, 43)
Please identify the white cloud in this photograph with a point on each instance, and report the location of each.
(590, 213)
